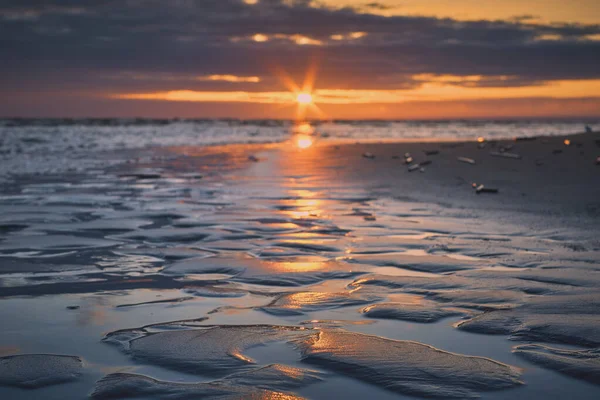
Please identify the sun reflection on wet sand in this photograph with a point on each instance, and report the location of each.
(303, 204)
(298, 266)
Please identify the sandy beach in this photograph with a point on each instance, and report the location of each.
(306, 268)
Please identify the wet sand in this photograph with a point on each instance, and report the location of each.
(334, 270)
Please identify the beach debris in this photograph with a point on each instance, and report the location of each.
(419, 166)
(431, 152)
(466, 160)
(514, 156)
(408, 158)
(368, 155)
(253, 158)
(482, 189)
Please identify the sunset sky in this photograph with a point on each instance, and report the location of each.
(399, 59)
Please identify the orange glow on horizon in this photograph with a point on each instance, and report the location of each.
(428, 91)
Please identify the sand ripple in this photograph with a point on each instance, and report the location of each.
(39, 370)
(407, 367)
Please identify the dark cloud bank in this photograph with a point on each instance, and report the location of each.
(116, 46)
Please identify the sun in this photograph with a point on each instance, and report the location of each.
(304, 98)
(304, 141)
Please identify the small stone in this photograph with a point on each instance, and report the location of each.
(504, 154)
(483, 189)
(466, 160)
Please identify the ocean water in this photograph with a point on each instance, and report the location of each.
(66, 145)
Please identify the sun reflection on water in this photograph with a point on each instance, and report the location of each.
(303, 141)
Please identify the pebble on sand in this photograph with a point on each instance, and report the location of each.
(483, 189)
(368, 155)
(466, 160)
(504, 154)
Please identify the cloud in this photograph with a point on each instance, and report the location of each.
(53, 46)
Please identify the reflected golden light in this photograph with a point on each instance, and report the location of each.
(304, 128)
(304, 206)
(304, 142)
(304, 98)
(302, 266)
